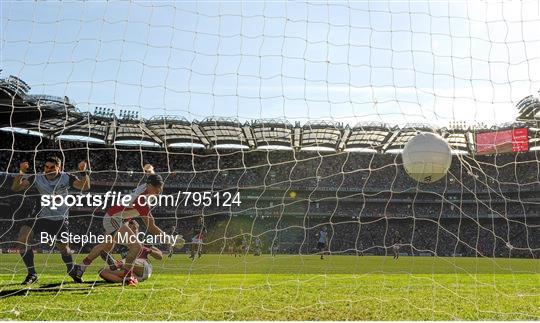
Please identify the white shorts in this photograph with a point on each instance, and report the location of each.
(111, 224)
(196, 240)
(147, 269)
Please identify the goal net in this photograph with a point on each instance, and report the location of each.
(277, 129)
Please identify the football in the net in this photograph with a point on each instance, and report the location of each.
(427, 157)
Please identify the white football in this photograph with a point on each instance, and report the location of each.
(427, 157)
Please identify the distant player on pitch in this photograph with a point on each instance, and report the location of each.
(53, 181)
(257, 250)
(322, 241)
(197, 241)
(396, 245)
(230, 246)
(238, 242)
(245, 244)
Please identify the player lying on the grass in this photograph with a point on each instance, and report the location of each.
(53, 221)
(114, 224)
(142, 268)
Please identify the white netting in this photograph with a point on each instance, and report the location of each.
(303, 109)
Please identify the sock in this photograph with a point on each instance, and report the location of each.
(85, 263)
(107, 258)
(67, 258)
(128, 273)
(28, 259)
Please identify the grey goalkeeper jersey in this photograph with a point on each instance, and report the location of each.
(323, 235)
(58, 186)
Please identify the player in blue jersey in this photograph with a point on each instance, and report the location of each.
(48, 219)
(322, 241)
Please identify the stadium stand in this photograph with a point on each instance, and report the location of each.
(486, 206)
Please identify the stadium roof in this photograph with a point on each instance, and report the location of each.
(529, 110)
(57, 117)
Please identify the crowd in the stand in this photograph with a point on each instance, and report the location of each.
(220, 169)
(485, 206)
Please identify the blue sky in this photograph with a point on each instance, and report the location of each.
(394, 62)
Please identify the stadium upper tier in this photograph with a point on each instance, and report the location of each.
(58, 117)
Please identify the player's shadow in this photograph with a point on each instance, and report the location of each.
(53, 288)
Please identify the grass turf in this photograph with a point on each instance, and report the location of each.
(221, 287)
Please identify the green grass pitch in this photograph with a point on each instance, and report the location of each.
(222, 287)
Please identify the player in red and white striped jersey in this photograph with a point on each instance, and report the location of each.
(142, 269)
(115, 224)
